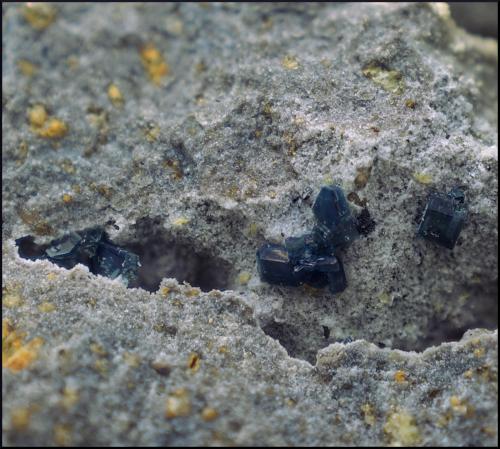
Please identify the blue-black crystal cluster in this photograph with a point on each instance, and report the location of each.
(443, 217)
(313, 257)
(92, 248)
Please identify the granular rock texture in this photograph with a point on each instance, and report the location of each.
(196, 132)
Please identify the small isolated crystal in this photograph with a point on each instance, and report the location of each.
(443, 217)
(336, 226)
(312, 258)
(274, 265)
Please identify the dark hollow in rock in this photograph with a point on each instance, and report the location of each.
(286, 335)
(165, 256)
(28, 249)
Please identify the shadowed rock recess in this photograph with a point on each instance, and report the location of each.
(193, 134)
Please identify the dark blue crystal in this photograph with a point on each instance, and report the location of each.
(112, 261)
(443, 217)
(303, 247)
(275, 266)
(90, 247)
(336, 278)
(312, 258)
(65, 251)
(336, 226)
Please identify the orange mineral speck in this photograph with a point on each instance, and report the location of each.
(26, 67)
(67, 198)
(39, 15)
(209, 414)
(115, 95)
(193, 362)
(54, 129)
(400, 376)
(37, 116)
(17, 356)
(154, 63)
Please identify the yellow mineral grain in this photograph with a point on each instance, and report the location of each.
(223, 349)
(192, 292)
(174, 26)
(244, 277)
(362, 177)
(67, 166)
(54, 129)
(290, 62)
(154, 63)
(101, 366)
(215, 293)
(209, 414)
(39, 15)
(69, 398)
(468, 374)
(26, 67)
(479, 352)
(401, 429)
(181, 221)
(52, 276)
(67, 198)
(22, 153)
(152, 133)
(422, 178)
(11, 299)
(20, 418)
(115, 95)
(17, 355)
(131, 359)
(37, 116)
(7, 329)
(165, 291)
(252, 230)
(96, 348)
(368, 413)
(46, 307)
(327, 179)
(44, 126)
(389, 80)
(410, 103)
(178, 404)
(62, 435)
(490, 431)
(400, 376)
(193, 362)
(461, 407)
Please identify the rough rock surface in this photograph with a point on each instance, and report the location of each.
(195, 132)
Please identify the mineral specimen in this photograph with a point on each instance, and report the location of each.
(443, 217)
(275, 266)
(112, 261)
(91, 248)
(311, 258)
(336, 226)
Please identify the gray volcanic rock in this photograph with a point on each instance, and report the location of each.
(196, 132)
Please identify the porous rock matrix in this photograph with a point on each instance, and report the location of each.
(194, 133)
